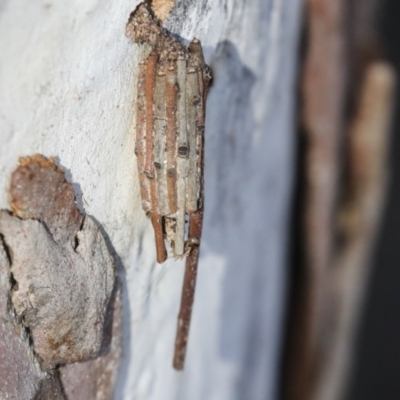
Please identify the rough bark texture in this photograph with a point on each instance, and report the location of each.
(57, 278)
(20, 374)
(68, 81)
(61, 293)
(63, 272)
(39, 191)
(95, 379)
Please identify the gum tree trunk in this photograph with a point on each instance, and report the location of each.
(68, 82)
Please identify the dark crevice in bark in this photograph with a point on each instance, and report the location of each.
(57, 375)
(75, 243)
(6, 248)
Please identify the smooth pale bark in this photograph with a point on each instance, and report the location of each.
(68, 81)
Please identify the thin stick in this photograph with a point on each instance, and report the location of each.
(200, 127)
(193, 100)
(149, 165)
(179, 246)
(156, 220)
(195, 230)
(171, 94)
(140, 148)
(150, 81)
(160, 143)
(188, 290)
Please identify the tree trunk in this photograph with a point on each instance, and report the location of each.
(68, 84)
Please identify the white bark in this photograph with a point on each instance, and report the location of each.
(68, 80)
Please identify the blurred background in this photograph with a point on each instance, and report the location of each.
(377, 357)
(343, 322)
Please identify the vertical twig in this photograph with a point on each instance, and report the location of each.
(149, 166)
(182, 158)
(195, 230)
(188, 289)
(150, 80)
(171, 98)
(160, 142)
(140, 147)
(192, 101)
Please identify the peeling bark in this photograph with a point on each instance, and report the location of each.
(162, 8)
(61, 292)
(95, 379)
(21, 376)
(57, 277)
